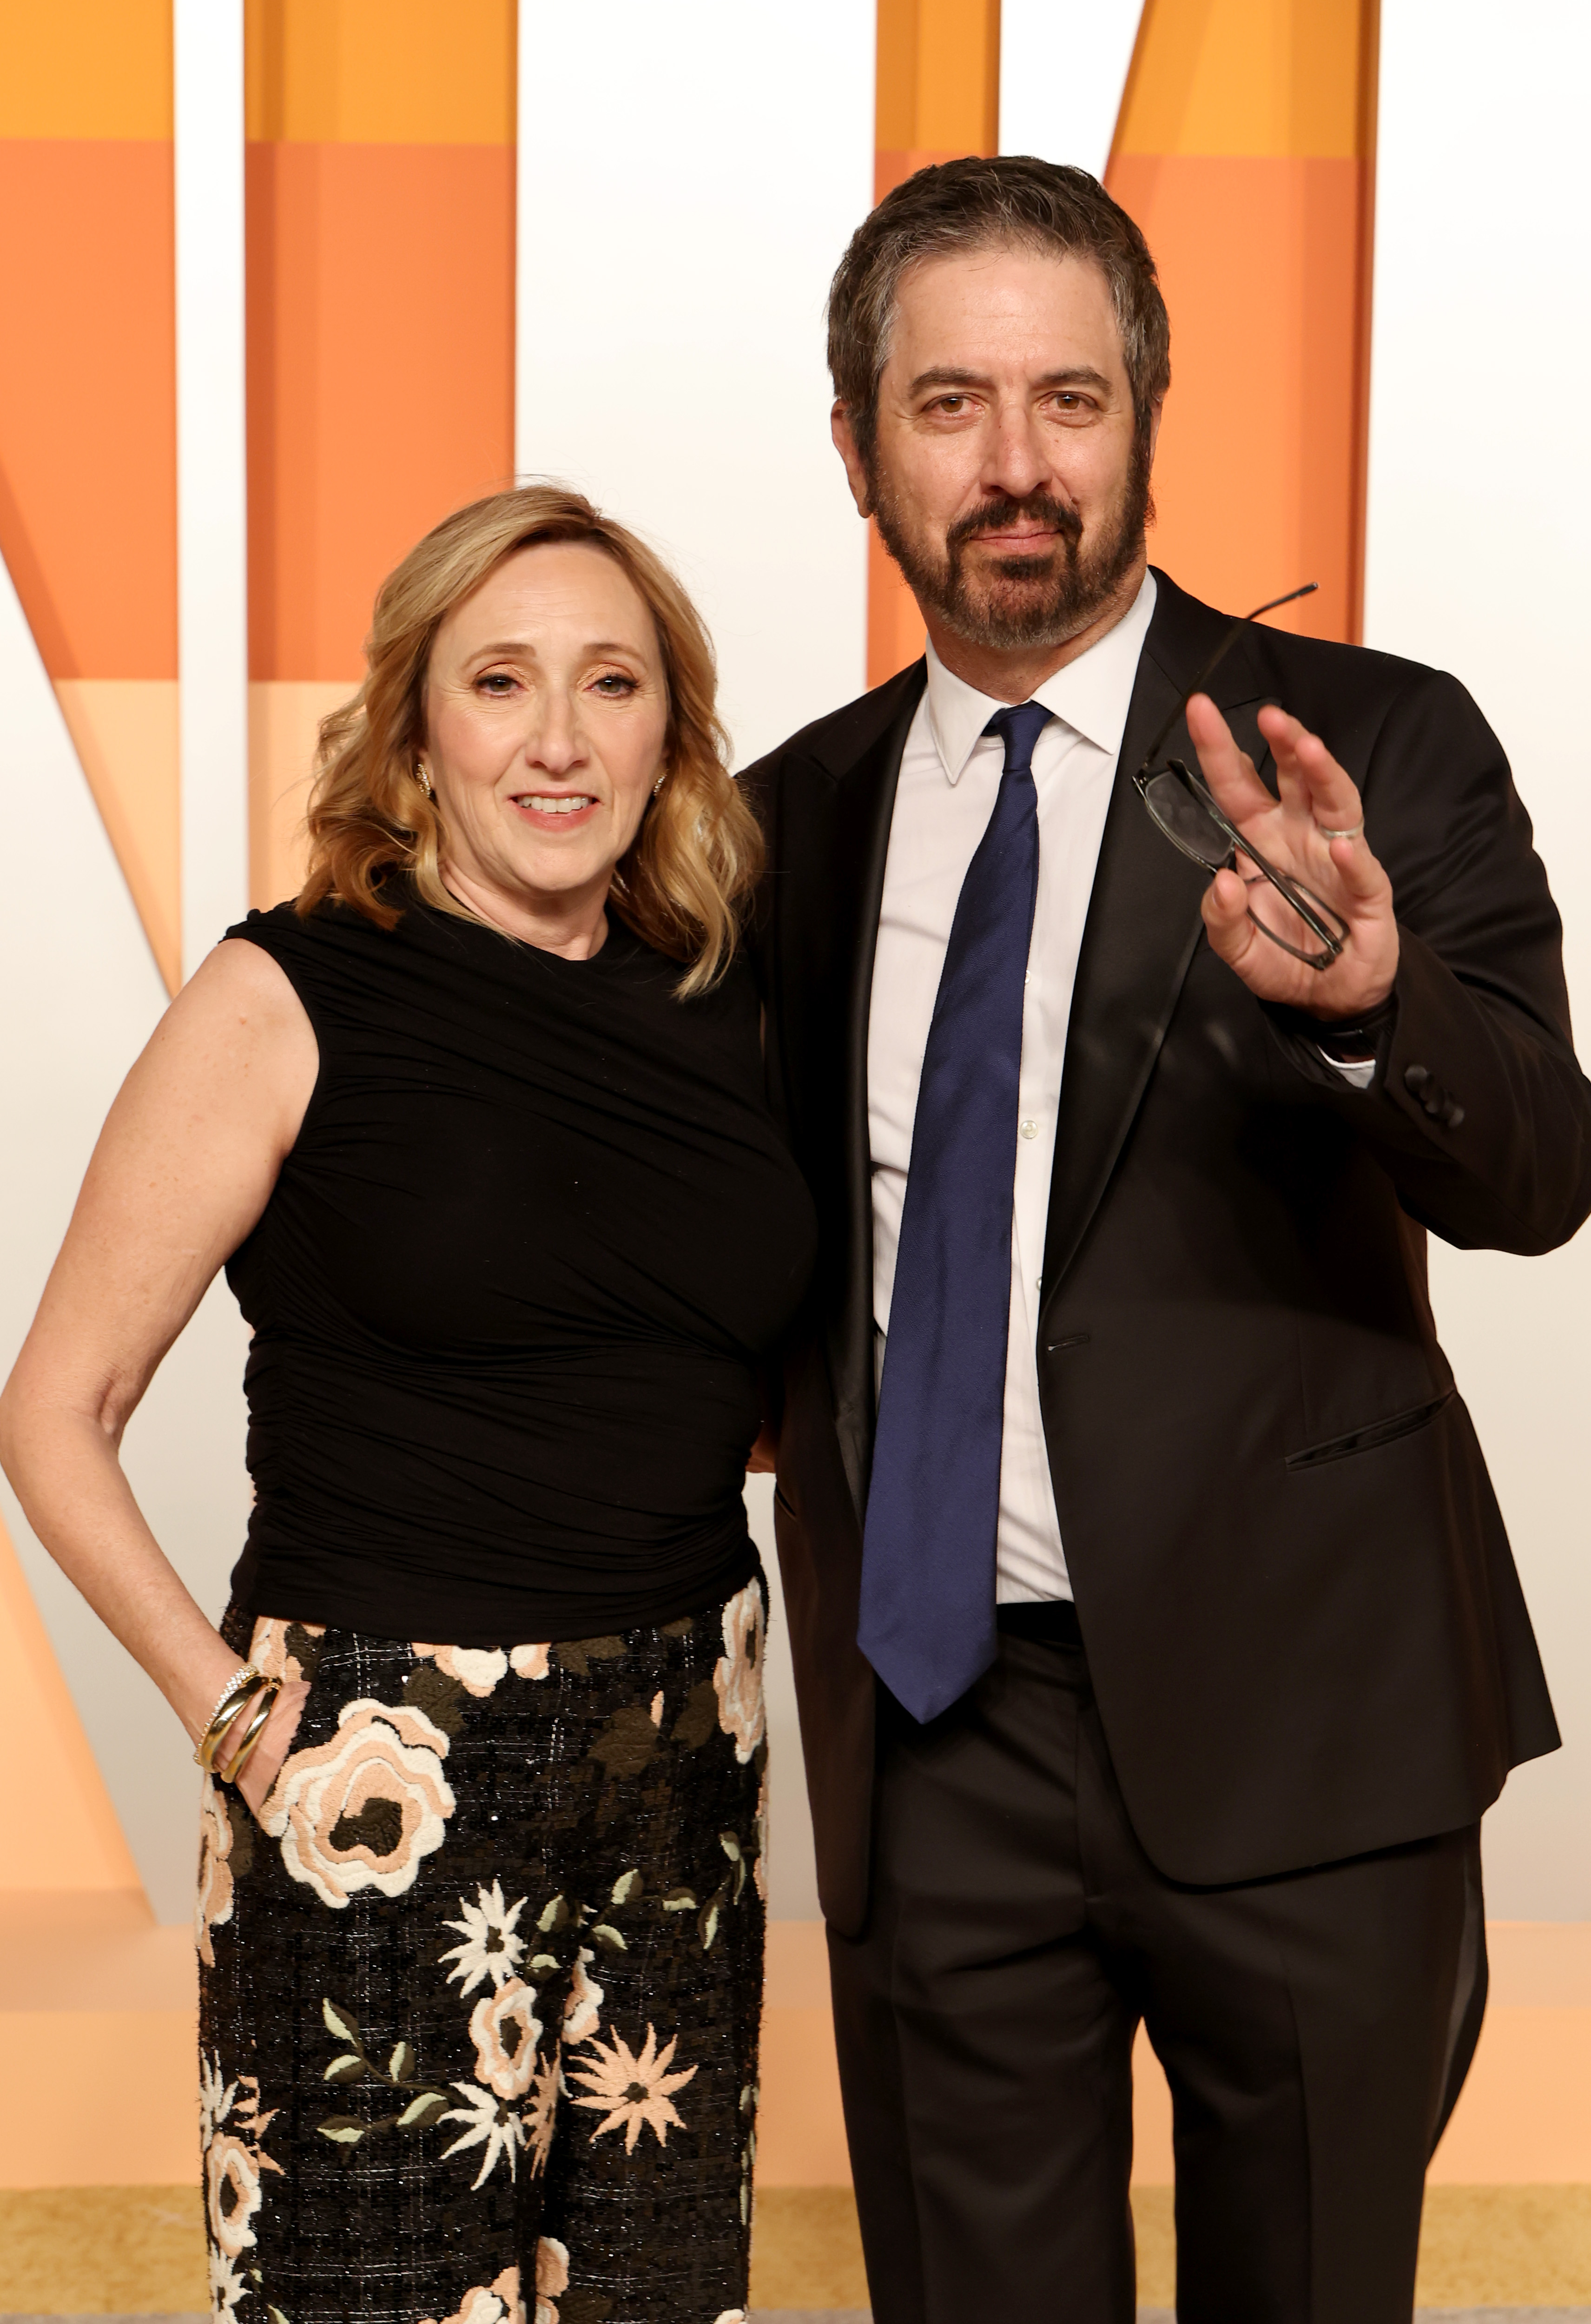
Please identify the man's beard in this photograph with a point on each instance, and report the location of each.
(1030, 600)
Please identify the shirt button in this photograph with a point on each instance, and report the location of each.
(1029, 1129)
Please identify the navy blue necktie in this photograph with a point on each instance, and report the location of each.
(928, 1557)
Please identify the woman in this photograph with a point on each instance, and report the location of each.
(475, 1127)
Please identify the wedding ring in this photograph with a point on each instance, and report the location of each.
(1356, 833)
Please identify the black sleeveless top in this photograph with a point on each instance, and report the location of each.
(510, 1291)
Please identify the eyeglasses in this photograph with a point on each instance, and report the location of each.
(1184, 806)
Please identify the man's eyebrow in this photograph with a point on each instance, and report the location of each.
(947, 375)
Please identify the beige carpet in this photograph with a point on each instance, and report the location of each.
(139, 2250)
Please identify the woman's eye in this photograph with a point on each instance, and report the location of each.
(614, 685)
(496, 682)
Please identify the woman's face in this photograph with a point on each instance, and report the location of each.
(545, 713)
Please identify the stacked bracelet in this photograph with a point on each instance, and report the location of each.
(261, 1707)
(228, 1703)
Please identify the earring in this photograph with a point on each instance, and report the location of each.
(423, 778)
(657, 785)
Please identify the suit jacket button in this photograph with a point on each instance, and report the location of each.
(1452, 1113)
(1415, 1078)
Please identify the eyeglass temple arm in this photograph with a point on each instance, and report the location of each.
(1153, 753)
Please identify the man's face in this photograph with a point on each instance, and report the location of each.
(1007, 477)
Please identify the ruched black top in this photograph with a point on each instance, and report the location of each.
(510, 1291)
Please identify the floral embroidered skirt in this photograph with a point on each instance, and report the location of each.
(479, 1994)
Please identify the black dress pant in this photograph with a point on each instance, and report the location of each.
(1315, 2030)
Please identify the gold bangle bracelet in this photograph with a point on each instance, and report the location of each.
(256, 1728)
(242, 1683)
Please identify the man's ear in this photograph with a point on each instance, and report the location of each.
(856, 475)
(1154, 419)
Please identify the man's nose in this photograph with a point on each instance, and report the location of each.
(1015, 464)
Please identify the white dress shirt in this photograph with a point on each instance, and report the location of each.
(949, 776)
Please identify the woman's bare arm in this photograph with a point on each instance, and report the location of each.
(183, 1168)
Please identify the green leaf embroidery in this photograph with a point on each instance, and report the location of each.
(400, 2065)
(342, 2128)
(607, 1936)
(628, 1885)
(731, 1846)
(342, 2023)
(709, 1927)
(542, 1963)
(343, 2070)
(679, 1900)
(553, 1915)
(420, 2112)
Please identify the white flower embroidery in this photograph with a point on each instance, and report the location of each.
(232, 2190)
(738, 1676)
(490, 2125)
(362, 1809)
(213, 1897)
(529, 1662)
(477, 1669)
(505, 2030)
(216, 2096)
(227, 2287)
(584, 2008)
(497, 2303)
(490, 1947)
(552, 2277)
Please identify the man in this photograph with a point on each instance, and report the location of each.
(1158, 1643)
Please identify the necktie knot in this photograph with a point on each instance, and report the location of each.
(1019, 727)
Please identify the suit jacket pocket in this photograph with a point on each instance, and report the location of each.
(1374, 1434)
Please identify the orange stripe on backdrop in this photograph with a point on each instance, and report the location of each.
(938, 97)
(381, 338)
(1245, 150)
(380, 380)
(88, 474)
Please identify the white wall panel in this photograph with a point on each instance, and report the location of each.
(687, 182)
(1480, 487)
(82, 995)
(686, 187)
(1063, 71)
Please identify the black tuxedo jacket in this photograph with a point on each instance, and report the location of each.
(1304, 1625)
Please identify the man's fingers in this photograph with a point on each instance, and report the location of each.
(1307, 768)
(1225, 768)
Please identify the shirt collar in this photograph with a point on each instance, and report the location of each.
(1092, 695)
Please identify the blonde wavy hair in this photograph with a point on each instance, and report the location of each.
(684, 882)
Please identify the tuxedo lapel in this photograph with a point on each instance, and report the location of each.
(1142, 928)
(833, 847)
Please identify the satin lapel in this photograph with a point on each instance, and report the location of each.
(1142, 928)
(866, 806)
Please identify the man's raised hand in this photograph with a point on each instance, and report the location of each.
(1315, 796)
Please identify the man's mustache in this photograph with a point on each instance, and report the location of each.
(999, 516)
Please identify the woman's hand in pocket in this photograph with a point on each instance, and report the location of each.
(276, 1741)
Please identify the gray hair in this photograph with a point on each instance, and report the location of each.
(1009, 202)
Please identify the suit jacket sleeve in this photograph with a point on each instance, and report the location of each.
(1479, 1112)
